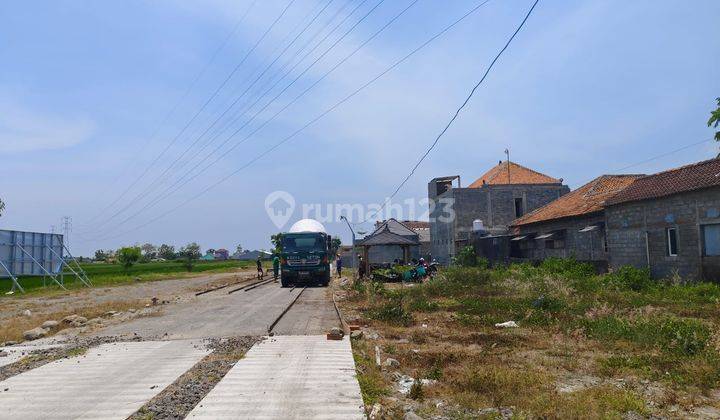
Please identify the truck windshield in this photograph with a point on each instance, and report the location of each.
(303, 243)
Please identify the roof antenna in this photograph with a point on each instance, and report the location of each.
(507, 153)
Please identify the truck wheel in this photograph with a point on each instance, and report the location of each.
(284, 282)
(326, 279)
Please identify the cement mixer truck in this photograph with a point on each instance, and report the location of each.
(305, 257)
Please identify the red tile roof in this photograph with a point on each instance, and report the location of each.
(518, 174)
(589, 198)
(687, 178)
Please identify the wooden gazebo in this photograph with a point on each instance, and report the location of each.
(390, 233)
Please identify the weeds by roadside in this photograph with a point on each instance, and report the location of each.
(613, 333)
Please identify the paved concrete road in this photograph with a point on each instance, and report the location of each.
(288, 377)
(312, 314)
(111, 381)
(216, 314)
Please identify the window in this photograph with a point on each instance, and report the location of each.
(672, 245)
(711, 239)
(518, 207)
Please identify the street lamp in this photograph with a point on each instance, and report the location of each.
(352, 258)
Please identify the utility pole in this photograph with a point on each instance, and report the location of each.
(352, 257)
(507, 153)
(67, 228)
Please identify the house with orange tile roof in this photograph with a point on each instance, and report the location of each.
(490, 203)
(669, 222)
(571, 226)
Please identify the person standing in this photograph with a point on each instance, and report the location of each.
(338, 265)
(276, 266)
(361, 267)
(260, 272)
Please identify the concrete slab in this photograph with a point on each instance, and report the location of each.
(19, 351)
(288, 377)
(111, 381)
(215, 314)
(313, 314)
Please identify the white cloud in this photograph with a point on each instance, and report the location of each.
(26, 130)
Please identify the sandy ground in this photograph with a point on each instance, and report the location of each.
(67, 301)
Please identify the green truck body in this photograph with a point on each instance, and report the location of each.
(305, 258)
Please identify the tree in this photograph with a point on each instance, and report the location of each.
(149, 251)
(190, 253)
(715, 120)
(335, 246)
(128, 256)
(100, 255)
(2, 206)
(239, 249)
(276, 240)
(166, 252)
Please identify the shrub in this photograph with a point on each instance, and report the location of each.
(128, 256)
(391, 312)
(567, 268)
(681, 336)
(416, 391)
(631, 278)
(466, 257)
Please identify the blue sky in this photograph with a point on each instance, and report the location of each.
(588, 87)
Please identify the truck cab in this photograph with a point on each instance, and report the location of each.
(305, 257)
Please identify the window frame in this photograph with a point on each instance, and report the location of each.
(668, 242)
(704, 239)
(521, 209)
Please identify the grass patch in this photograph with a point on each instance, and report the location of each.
(102, 274)
(618, 325)
(369, 376)
(684, 337)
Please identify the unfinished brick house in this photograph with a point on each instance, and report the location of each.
(669, 222)
(571, 226)
(502, 194)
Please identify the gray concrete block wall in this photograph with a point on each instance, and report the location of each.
(629, 223)
(584, 246)
(441, 230)
(493, 204)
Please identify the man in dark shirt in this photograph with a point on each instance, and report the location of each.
(261, 274)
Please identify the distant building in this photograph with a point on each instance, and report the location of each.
(669, 222)
(251, 255)
(501, 195)
(222, 254)
(209, 256)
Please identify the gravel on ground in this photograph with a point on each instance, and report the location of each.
(178, 399)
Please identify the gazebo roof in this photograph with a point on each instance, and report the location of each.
(386, 237)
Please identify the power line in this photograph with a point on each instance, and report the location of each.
(311, 122)
(212, 96)
(173, 109)
(265, 93)
(335, 43)
(145, 192)
(653, 158)
(457, 112)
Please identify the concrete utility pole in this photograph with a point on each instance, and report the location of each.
(353, 241)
